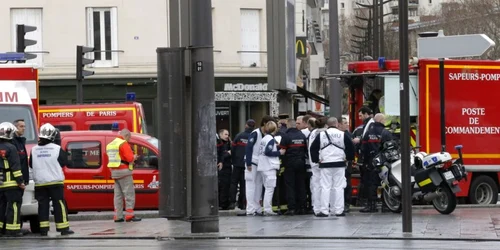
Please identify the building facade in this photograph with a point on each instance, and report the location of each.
(127, 33)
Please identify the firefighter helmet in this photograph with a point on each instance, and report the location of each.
(7, 130)
(47, 131)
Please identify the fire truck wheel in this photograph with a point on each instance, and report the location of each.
(483, 190)
(34, 224)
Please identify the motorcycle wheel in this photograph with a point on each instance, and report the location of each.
(393, 203)
(446, 202)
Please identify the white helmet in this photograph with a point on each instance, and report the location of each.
(47, 131)
(7, 130)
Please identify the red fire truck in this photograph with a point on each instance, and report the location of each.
(101, 116)
(470, 119)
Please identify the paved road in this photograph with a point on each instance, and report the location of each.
(463, 224)
(245, 244)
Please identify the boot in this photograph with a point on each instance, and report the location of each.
(371, 207)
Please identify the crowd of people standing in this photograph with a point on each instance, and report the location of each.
(313, 157)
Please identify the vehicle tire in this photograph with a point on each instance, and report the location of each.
(34, 224)
(394, 204)
(447, 201)
(483, 190)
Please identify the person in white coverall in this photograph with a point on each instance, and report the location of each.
(253, 180)
(331, 148)
(269, 164)
(317, 127)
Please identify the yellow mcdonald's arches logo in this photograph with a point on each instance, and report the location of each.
(300, 49)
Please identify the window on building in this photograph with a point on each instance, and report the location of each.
(145, 157)
(250, 38)
(30, 17)
(102, 34)
(430, 1)
(84, 154)
(342, 5)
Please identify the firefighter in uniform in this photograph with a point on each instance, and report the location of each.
(11, 183)
(47, 160)
(121, 160)
(370, 146)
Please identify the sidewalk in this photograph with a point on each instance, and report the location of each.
(464, 224)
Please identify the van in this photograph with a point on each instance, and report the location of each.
(88, 183)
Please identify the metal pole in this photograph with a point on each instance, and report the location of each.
(376, 44)
(205, 209)
(334, 64)
(79, 92)
(404, 106)
(442, 107)
(171, 89)
(381, 28)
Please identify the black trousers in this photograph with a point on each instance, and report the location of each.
(295, 186)
(224, 185)
(371, 181)
(348, 188)
(44, 195)
(238, 178)
(11, 200)
(308, 190)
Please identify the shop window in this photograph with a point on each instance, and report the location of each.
(146, 158)
(85, 155)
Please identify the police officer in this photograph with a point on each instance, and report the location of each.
(225, 168)
(11, 183)
(371, 144)
(47, 160)
(238, 159)
(294, 142)
(365, 114)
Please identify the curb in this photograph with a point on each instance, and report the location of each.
(226, 213)
(288, 237)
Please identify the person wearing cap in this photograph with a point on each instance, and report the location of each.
(238, 157)
(283, 120)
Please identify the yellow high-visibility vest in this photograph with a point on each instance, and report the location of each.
(113, 151)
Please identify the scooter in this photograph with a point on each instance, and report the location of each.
(434, 177)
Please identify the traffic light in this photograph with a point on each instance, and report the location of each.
(22, 42)
(81, 61)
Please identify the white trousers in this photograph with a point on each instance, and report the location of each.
(253, 186)
(332, 180)
(269, 181)
(316, 189)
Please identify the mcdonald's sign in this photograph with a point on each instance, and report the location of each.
(301, 46)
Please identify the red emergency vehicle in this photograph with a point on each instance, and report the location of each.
(88, 183)
(470, 99)
(128, 115)
(19, 97)
(19, 100)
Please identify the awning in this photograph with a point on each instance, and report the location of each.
(313, 96)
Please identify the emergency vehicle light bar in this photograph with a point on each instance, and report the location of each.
(12, 56)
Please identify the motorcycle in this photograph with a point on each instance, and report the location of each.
(434, 177)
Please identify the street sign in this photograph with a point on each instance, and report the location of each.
(453, 46)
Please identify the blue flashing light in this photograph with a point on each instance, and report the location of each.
(381, 62)
(12, 56)
(130, 97)
(115, 127)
